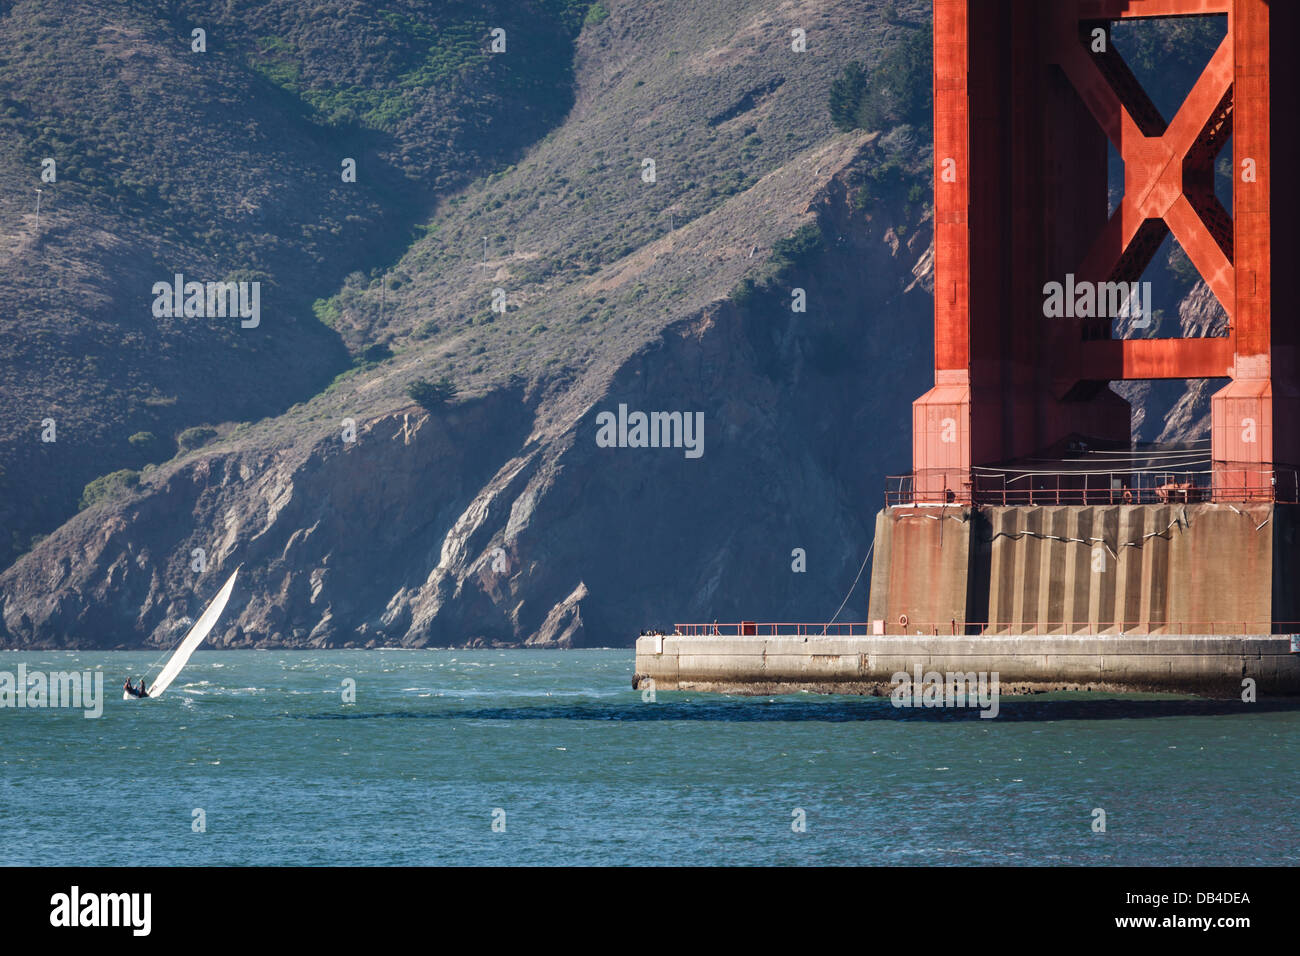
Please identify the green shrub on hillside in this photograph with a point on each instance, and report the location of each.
(846, 97)
(572, 13)
(374, 109)
(431, 396)
(274, 61)
(195, 437)
(899, 89)
(108, 486)
(794, 252)
(798, 249)
(327, 310)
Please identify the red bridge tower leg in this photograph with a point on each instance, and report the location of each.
(1027, 94)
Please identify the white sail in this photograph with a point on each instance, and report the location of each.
(194, 638)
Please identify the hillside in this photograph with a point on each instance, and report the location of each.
(222, 164)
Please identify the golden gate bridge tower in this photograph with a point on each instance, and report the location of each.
(1029, 509)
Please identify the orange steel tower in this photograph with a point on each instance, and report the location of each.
(1027, 93)
(1027, 96)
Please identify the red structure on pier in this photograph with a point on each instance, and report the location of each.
(1027, 94)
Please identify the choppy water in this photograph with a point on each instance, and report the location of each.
(588, 773)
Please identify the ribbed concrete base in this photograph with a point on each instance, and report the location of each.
(1200, 568)
(1212, 666)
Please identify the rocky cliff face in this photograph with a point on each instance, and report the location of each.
(501, 519)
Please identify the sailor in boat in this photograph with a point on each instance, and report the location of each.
(189, 644)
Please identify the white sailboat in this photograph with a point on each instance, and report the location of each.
(207, 620)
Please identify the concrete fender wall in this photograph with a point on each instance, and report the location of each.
(1182, 663)
(1171, 568)
(922, 561)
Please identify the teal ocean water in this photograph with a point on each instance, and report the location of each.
(438, 743)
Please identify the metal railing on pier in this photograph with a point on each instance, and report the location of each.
(902, 627)
(1011, 487)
